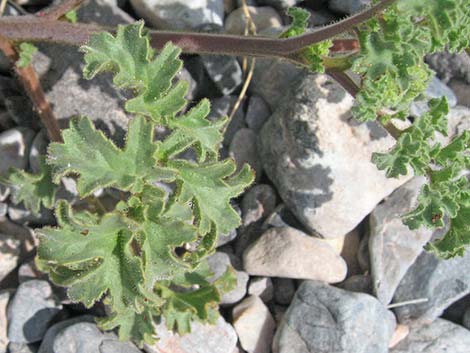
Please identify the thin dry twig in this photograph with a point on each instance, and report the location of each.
(32, 86)
(408, 302)
(55, 12)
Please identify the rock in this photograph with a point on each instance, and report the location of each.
(222, 107)
(284, 290)
(393, 246)
(4, 192)
(325, 319)
(218, 263)
(441, 282)
(287, 252)
(254, 325)
(466, 318)
(38, 149)
(180, 14)
(358, 284)
(401, 332)
(436, 89)
(20, 215)
(10, 250)
(115, 346)
(14, 149)
(450, 66)
(363, 256)
(3, 209)
(243, 150)
(348, 247)
(281, 4)
(272, 78)
(21, 348)
(261, 287)
(347, 6)
(31, 311)
(227, 238)
(220, 338)
(4, 298)
(461, 90)
(439, 337)
(257, 203)
(224, 71)
(279, 311)
(263, 17)
(320, 159)
(282, 217)
(28, 271)
(257, 113)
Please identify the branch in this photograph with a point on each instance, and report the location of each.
(31, 28)
(30, 82)
(55, 12)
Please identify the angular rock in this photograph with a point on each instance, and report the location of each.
(358, 284)
(460, 88)
(287, 252)
(348, 247)
(222, 107)
(224, 71)
(4, 298)
(220, 338)
(257, 203)
(261, 287)
(263, 17)
(257, 113)
(22, 348)
(320, 159)
(218, 263)
(284, 290)
(243, 149)
(441, 282)
(439, 337)
(180, 14)
(3, 209)
(31, 311)
(10, 251)
(401, 332)
(14, 149)
(348, 6)
(325, 319)
(393, 246)
(115, 346)
(254, 325)
(450, 66)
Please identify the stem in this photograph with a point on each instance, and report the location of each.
(30, 82)
(57, 11)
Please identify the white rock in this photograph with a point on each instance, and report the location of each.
(261, 287)
(254, 325)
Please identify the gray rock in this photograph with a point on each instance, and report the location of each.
(393, 246)
(325, 319)
(363, 256)
(243, 149)
(439, 337)
(284, 290)
(450, 66)
(38, 149)
(218, 263)
(14, 148)
(257, 203)
(348, 6)
(222, 107)
(19, 214)
(22, 348)
(263, 17)
(4, 299)
(115, 346)
(261, 287)
(254, 325)
(436, 89)
(466, 318)
(287, 252)
(3, 209)
(320, 159)
(461, 90)
(220, 338)
(441, 282)
(282, 217)
(224, 71)
(4, 192)
(227, 238)
(257, 113)
(358, 284)
(180, 14)
(282, 4)
(10, 251)
(31, 311)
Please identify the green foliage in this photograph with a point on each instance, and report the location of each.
(313, 55)
(146, 257)
(26, 52)
(71, 16)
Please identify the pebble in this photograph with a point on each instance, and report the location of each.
(243, 150)
(348, 6)
(281, 4)
(257, 203)
(220, 338)
(14, 149)
(10, 251)
(313, 152)
(254, 325)
(325, 319)
(261, 287)
(438, 337)
(461, 90)
(466, 318)
(358, 284)
(38, 149)
(401, 332)
(287, 252)
(4, 299)
(347, 247)
(222, 107)
(224, 71)
(257, 113)
(263, 17)
(284, 290)
(31, 311)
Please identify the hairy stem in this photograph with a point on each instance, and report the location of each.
(30, 82)
(57, 11)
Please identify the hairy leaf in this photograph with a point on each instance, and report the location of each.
(26, 53)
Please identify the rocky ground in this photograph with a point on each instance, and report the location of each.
(323, 262)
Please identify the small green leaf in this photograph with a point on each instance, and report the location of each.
(26, 53)
(71, 16)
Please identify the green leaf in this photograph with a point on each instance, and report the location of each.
(92, 258)
(71, 16)
(211, 186)
(26, 53)
(151, 78)
(34, 190)
(86, 151)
